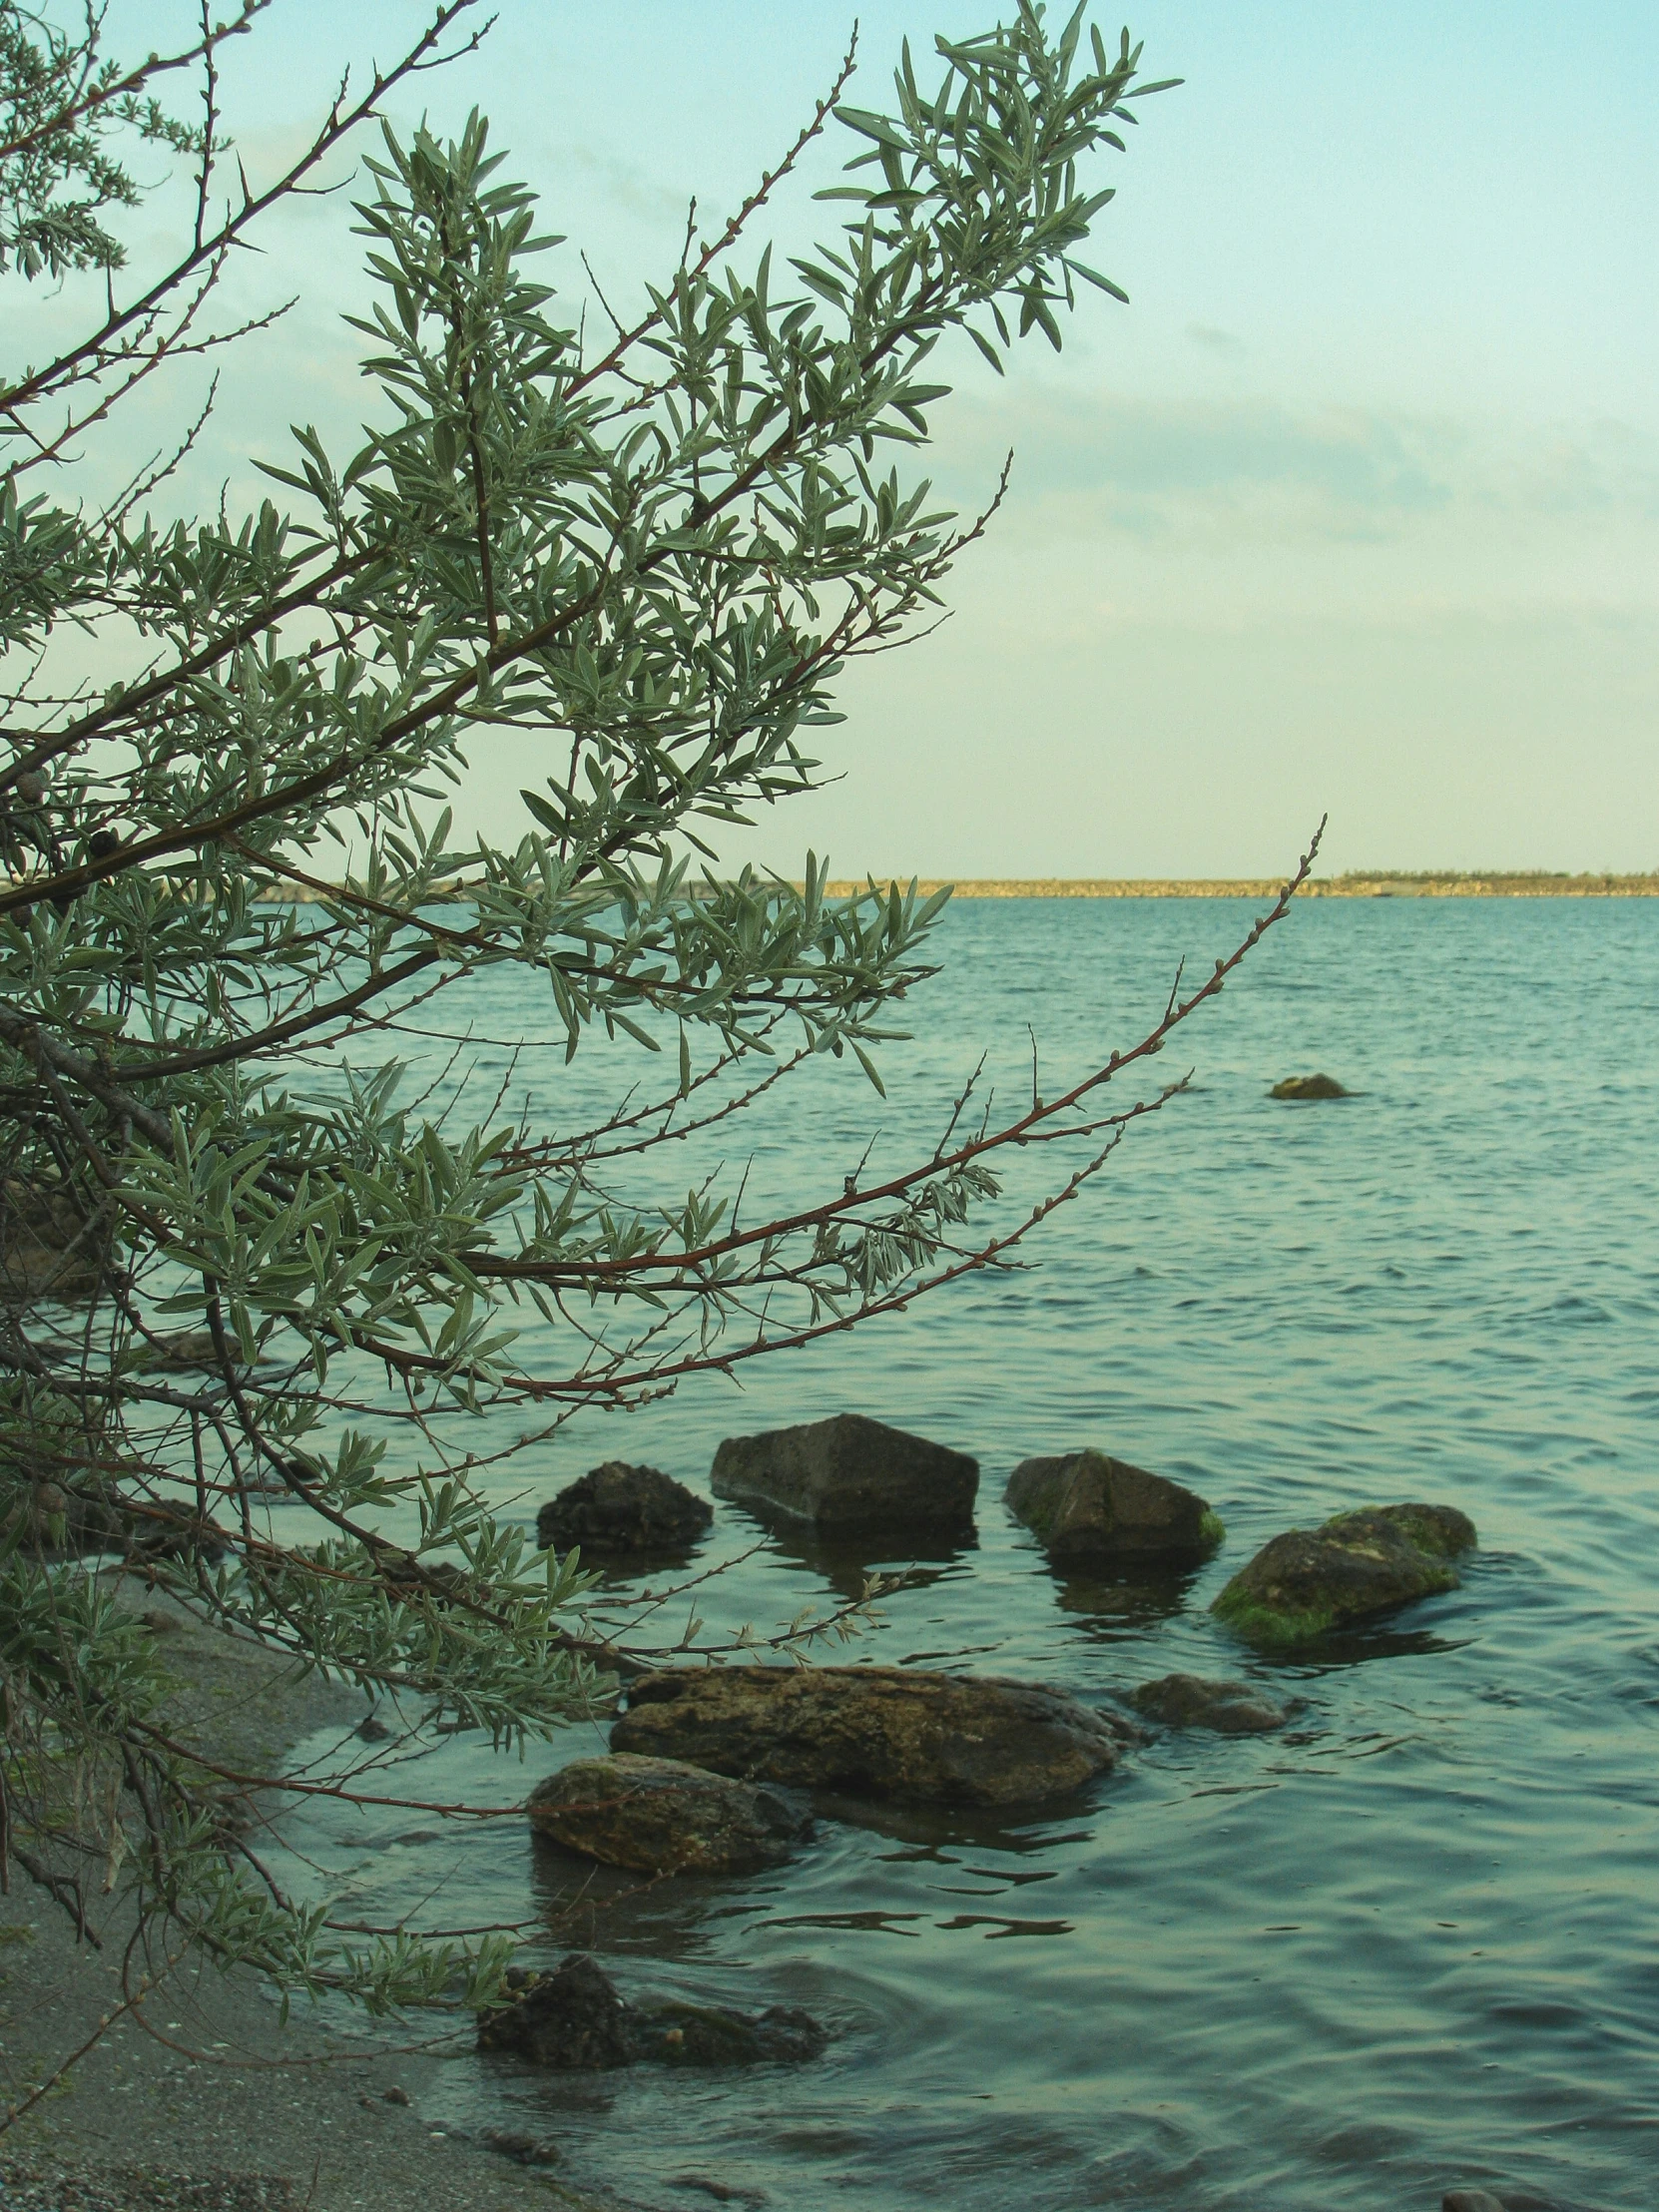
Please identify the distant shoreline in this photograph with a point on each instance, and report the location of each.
(1490, 885)
(1493, 884)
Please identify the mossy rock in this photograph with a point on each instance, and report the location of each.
(664, 1816)
(1358, 1564)
(1307, 1090)
(1092, 1513)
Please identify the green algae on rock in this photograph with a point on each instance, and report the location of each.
(1307, 1090)
(1089, 1511)
(1304, 1583)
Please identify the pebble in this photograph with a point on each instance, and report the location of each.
(28, 2186)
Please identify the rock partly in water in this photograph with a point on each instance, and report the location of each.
(576, 2020)
(1188, 1701)
(1090, 1512)
(620, 1509)
(514, 2143)
(1308, 1089)
(54, 1243)
(661, 1815)
(882, 1732)
(1304, 1583)
(848, 1475)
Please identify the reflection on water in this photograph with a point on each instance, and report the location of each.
(1409, 1941)
(1110, 1612)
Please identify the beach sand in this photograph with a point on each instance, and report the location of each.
(203, 2098)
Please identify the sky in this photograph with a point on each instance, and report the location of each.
(1354, 509)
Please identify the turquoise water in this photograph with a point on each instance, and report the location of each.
(1412, 1941)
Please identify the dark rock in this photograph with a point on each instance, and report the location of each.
(884, 1732)
(623, 1508)
(372, 1729)
(661, 1815)
(1490, 2200)
(710, 2036)
(573, 2018)
(1358, 1564)
(576, 2019)
(1091, 1512)
(395, 2095)
(849, 1475)
(1308, 1089)
(1188, 1701)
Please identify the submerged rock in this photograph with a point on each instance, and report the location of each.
(1358, 1564)
(576, 2019)
(1188, 1701)
(1091, 1512)
(848, 1475)
(1307, 1089)
(620, 1509)
(884, 1732)
(525, 2149)
(661, 1816)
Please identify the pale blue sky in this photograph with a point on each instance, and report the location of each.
(1354, 507)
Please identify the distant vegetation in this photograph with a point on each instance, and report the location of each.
(1352, 883)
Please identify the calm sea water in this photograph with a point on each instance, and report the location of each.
(1412, 1942)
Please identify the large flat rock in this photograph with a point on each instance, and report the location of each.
(849, 1475)
(879, 1732)
(661, 1816)
(1308, 1581)
(1092, 1513)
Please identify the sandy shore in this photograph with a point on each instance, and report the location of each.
(204, 2098)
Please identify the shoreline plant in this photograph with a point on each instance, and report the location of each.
(235, 1261)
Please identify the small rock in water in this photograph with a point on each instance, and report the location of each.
(662, 1816)
(528, 2150)
(1091, 1512)
(882, 1732)
(576, 2019)
(849, 1475)
(1230, 1708)
(618, 1508)
(1358, 1564)
(1305, 1089)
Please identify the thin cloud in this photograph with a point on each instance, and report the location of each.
(1213, 339)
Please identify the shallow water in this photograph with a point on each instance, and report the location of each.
(1412, 1941)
